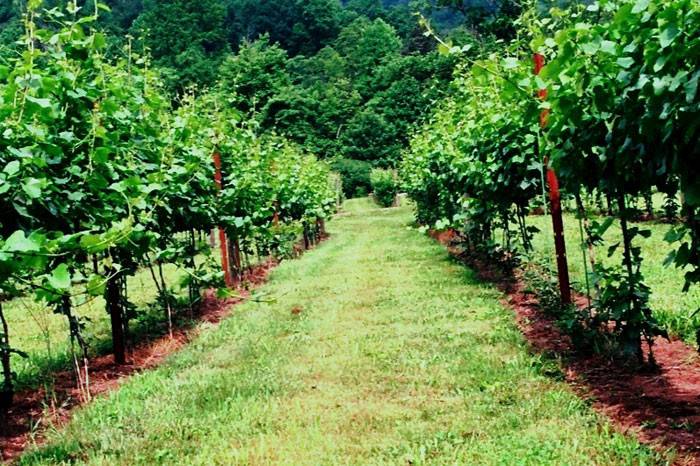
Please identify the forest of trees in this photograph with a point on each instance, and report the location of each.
(347, 80)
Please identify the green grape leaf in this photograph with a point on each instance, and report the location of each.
(625, 62)
(96, 285)
(12, 168)
(18, 242)
(32, 187)
(668, 35)
(60, 278)
(43, 103)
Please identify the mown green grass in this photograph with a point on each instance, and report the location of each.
(398, 356)
(673, 308)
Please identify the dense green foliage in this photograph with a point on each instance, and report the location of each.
(477, 157)
(385, 187)
(299, 26)
(622, 80)
(187, 40)
(355, 175)
(101, 175)
(356, 98)
(631, 85)
(641, 66)
(344, 79)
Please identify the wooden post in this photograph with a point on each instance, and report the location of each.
(234, 253)
(7, 390)
(276, 215)
(555, 204)
(223, 243)
(116, 316)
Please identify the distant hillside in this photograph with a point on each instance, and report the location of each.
(446, 18)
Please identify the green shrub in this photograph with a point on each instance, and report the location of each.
(355, 175)
(384, 186)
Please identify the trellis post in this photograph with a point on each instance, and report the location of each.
(223, 241)
(555, 204)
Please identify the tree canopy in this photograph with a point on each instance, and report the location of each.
(345, 79)
(188, 39)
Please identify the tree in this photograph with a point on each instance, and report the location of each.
(315, 109)
(314, 115)
(319, 26)
(372, 9)
(367, 45)
(325, 67)
(186, 38)
(7, 12)
(360, 98)
(487, 17)
(10, 26)
(255, 74)
(369, 137)
(404, 19)
(405, 91)
(122, 15)
(299, 26)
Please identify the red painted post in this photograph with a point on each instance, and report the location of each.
(223, 241)
(555, 204)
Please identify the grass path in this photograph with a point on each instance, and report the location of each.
(397, 356)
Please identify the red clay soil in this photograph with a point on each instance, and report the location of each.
(661, 406)
(35, 410)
